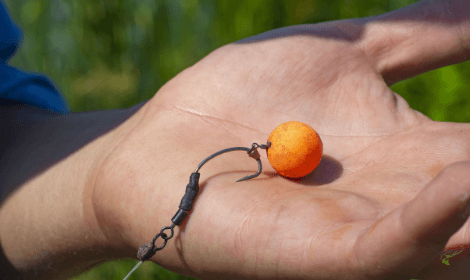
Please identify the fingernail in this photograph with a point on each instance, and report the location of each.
(465, 211)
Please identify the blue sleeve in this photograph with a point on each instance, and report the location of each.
(30, 88)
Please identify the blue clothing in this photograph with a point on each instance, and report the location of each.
(20, 86)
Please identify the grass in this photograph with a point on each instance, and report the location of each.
(114, 53)
(117, 270)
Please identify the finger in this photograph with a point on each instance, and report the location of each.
(410, 237)
(418, 38)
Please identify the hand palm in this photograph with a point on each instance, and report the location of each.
(378, 154)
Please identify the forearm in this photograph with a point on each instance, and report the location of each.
(47, 227)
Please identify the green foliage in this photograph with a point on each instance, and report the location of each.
(117, 270)
(440, 94)
(107, 54)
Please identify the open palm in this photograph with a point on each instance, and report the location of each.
(371, 210)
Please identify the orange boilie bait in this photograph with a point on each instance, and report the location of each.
(295, 149)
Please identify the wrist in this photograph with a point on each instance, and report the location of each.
(102, 150)
(134, 193)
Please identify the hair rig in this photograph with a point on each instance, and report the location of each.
(294, 149)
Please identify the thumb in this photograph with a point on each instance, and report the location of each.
(410, 237)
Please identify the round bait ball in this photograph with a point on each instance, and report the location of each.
(296, 149)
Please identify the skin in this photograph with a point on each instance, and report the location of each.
(391, 192)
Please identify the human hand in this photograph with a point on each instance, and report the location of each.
(377, 207)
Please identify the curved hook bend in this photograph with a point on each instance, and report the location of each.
(253, 152)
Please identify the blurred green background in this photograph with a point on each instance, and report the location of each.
(105, 54)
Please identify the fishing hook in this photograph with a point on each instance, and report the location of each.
(253, 153)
